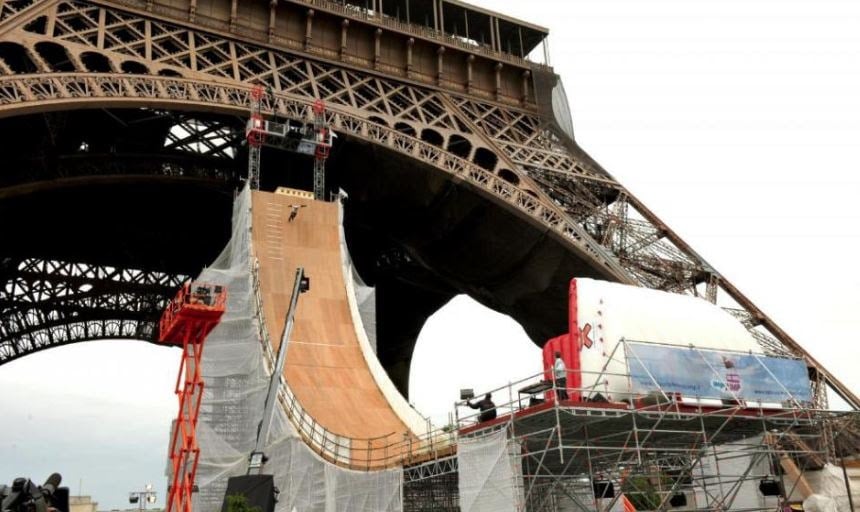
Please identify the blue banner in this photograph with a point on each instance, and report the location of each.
(716, 374)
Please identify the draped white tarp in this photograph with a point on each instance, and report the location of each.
(490, 475)
(730, 474)
(831, 490)
(236, 381)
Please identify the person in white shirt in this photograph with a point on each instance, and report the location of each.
(560, 373)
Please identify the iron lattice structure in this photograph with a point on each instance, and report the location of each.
(474, 110)
(50, 303)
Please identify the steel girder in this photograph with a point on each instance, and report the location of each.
(66, 53)
(46, 303)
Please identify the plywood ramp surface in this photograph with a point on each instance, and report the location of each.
(325, 367)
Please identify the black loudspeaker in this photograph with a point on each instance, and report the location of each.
(603, 489)
(678, 500)
(770, 487)
(258, 490)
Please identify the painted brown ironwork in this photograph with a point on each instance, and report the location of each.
(470, 111)
(46, 303)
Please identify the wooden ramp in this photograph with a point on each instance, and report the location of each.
(325, 367)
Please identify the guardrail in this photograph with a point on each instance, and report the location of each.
(374, 17)
(514, 403)
(657, 399)
(356, 13)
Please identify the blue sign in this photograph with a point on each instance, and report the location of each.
(716, 374)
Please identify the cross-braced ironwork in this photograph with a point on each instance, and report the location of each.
(46, 303)
(208, 138)
(462, 106)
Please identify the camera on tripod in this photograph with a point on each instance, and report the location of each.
(25, 496)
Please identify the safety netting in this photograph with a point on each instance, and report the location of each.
(731, 474)
(490, 475)
(235, 369)
(365, 296)
(362, 293)
(831, 490)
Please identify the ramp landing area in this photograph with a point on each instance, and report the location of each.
(325, 367)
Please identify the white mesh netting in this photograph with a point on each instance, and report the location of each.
(365, 296)
(489, 476)
(831, 490)
(728, 475)
(234, 370)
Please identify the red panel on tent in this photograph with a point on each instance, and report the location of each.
(570, 356)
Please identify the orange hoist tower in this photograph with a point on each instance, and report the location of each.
(188, 319)
(314, 139)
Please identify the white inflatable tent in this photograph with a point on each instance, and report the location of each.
(602, 314)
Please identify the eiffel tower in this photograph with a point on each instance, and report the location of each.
(122, 125)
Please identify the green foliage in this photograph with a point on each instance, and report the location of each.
(641, 492)
(239, 503)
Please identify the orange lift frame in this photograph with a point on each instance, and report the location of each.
(188, 319)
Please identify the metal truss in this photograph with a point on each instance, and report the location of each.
(11, 8)
(139, 53)
(100, 89)
(177, 145)
(209, 138)
(431, 469)
(714, 455)
(129, 164)
(45, 303)
(431, 486)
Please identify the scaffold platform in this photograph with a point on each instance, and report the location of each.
(647, 453)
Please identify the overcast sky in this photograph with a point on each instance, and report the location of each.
(736, 121)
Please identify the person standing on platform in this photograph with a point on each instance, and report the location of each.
(560, 373)
(486, 406)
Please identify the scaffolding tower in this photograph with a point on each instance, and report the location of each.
(657, 451)
(255, 137)
(314, 139)
(187, 320)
